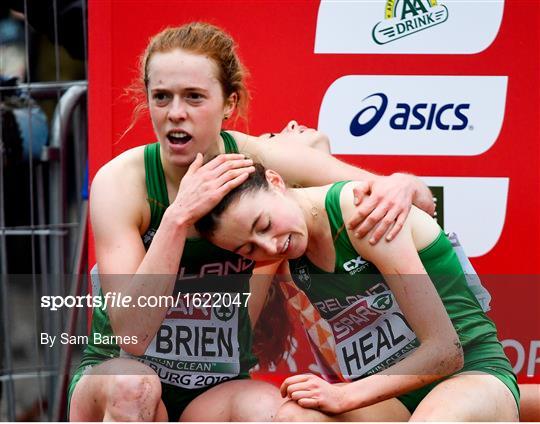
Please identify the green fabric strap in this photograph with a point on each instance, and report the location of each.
(156, 186)
(332, 204)
(229, 142)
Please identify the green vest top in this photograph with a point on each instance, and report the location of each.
(370, 331)
(195, 346)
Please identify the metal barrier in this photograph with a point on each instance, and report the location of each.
(60, 239)
(45, 235)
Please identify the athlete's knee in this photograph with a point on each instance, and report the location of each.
(290, 411)
(133, 397)
(268, 401)
(86, 403)
(430, 416)
(255, 401)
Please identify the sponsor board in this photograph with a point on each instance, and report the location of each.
(407, 26)
(527, 358)
(413, 115)
(475, 209)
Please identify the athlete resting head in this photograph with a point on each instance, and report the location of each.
(419, 341)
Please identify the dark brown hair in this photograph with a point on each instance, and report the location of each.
(207, 225)
(273, 331)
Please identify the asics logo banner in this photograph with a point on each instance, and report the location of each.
(357, 129)
(413, 115)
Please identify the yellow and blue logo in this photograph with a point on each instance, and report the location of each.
(406, 17)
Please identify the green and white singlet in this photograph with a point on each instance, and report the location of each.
(371, 332)
(195, 347)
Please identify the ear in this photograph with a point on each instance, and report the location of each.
(230, 105)
(275, 180)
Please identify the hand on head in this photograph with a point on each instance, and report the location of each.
(204, 186)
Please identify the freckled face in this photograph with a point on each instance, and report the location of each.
(263, 225)
(186, 104)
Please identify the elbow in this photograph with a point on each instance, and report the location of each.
(134, 344)
(459, 357)
(453, 360)
(135, 349)
(130, 341)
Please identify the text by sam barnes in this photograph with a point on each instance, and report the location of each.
(97, 338)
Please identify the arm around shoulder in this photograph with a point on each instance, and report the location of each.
(300, 164)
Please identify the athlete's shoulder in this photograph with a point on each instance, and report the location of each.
(246, 143)
(424, 228)
(125, 166)
(124, 176)
(118, 191)
(346, 198)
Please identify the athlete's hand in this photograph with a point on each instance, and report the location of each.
(385, 204)
(310, 391)
(204, 186)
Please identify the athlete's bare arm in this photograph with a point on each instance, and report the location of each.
(387, 206)
(120, 215)
(439, 353)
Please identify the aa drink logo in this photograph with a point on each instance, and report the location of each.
(413, 115)
(407, 26)
(403, 18)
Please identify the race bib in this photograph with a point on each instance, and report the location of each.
(196, 346)
(371, 335)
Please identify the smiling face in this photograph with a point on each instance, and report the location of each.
(263, 224)
(186, 103)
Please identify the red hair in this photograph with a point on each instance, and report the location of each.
(200, 38)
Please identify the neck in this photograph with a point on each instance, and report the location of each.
(174, 173)
(311, 202)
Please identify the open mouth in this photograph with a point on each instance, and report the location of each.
(286, 245)
(179, 137)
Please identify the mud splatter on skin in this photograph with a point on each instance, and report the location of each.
(146, 413)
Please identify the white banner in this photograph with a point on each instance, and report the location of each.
(407, 26)
(475, 209)
(413, 115)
